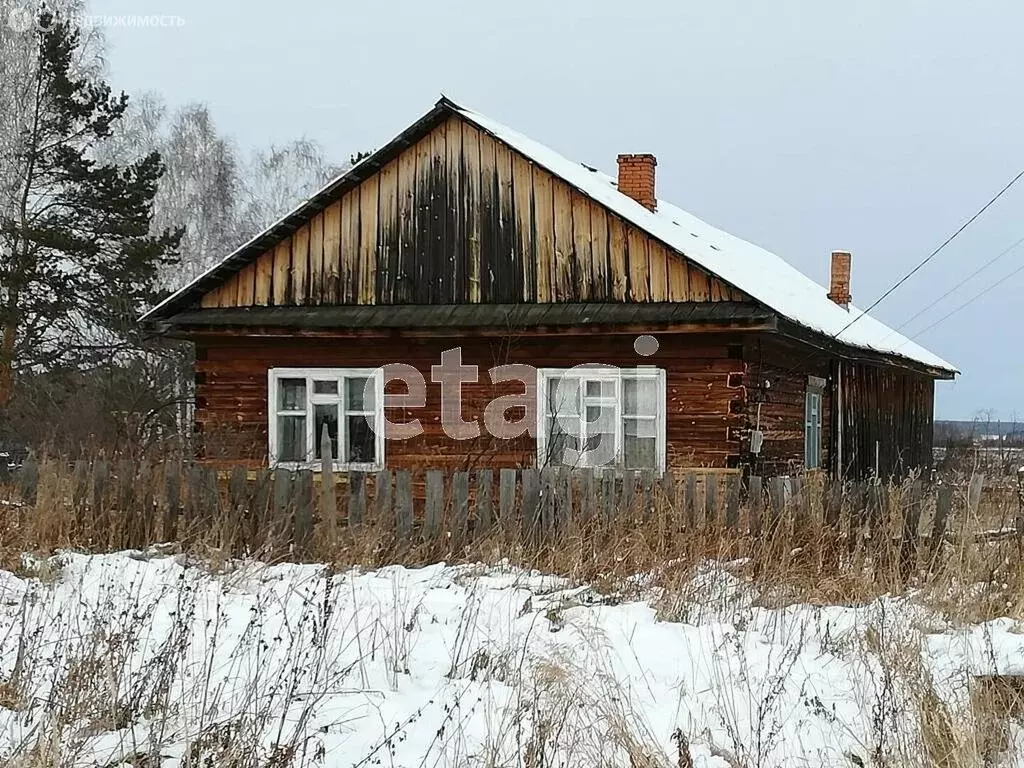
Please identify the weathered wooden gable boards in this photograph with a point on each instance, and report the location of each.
(459, 217)
(705, 408)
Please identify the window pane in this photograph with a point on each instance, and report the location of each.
(564, 396)
(291, 438)
(563, 435)
(291, 394)
(813, 406)
(359, 394)
(640, 452)
(600, 431)
(360, 439)
(640, 444)
(600, 388)
(640, 397)
(601, 418)
(325, 387)
(326, 416)
(812, 431)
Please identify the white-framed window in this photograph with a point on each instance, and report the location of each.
(601, 416)
(812, 422)
(347, 402)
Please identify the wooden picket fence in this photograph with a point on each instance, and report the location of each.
(106, 504)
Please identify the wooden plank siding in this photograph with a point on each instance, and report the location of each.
(776, 387)
(387, 239)
(332, 253)
(888, 415)
(705, 414)
(316, 259)
(459, 217)
(885, 411)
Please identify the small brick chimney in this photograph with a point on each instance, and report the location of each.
(839, 282)
(636, 179)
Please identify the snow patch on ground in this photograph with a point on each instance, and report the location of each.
(132, 654)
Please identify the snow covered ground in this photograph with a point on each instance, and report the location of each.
(121, 659)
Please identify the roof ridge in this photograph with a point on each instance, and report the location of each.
(759, 273)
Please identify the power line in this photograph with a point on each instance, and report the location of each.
(933, 254)
(911, 273)
(959, 285)
(966, 304)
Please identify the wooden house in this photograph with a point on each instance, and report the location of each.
(655, 340)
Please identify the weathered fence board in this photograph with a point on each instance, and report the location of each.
(303, 503)
(531, 503)
(435, 503)
(259, 513)
(711, 503)
(755, 500)
(382, 496)
(507, 499)
(732, 502)
(356, 498)
(587, 497)
(328, 491)
(608, 496)
(943, 508)
(484, 500)
(403, 505)
(690, 499)
(460, 508)
(246, 511)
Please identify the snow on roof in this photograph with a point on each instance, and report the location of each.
(755, 271)
(761, 274)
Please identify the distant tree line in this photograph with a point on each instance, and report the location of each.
(985, 428)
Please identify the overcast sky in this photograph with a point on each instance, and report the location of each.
(872, 126)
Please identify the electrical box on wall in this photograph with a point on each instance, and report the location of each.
(756, 439)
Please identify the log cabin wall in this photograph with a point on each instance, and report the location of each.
(887, 408)
(459, 217)
(776, 380)
(705, 397)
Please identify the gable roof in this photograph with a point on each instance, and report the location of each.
(757, 272)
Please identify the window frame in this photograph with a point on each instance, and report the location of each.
(815, 392)
(275, 375)
(618, 376)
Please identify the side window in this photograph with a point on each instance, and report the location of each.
(812, 422)
(344, 403)
(601, 417)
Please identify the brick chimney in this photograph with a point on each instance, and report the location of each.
(636, 179)
(839, 282)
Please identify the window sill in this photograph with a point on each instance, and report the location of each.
(611, 470)
(317, 466)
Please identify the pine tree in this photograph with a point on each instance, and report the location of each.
(77, 259)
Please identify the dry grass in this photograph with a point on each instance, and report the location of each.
(801, 557)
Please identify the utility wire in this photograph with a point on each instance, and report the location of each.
(967, 303)
(933, 254)
(963, 282)
(911, 273)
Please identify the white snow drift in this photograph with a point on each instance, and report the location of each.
(107, 659)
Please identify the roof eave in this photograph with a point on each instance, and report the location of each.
(660, 316)
(848, 351)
